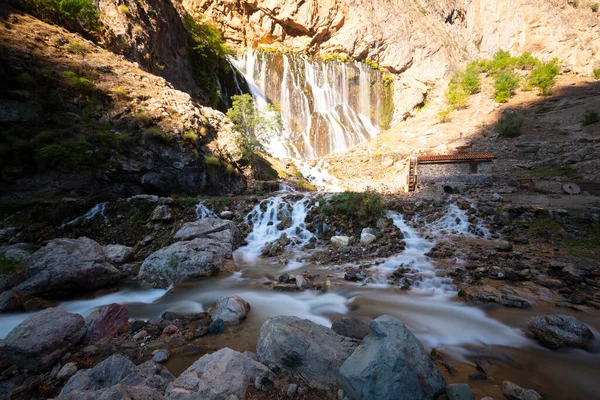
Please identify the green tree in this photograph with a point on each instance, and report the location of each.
(543, 76)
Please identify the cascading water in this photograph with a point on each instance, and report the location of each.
(413, 258)
(202, 211)
(97, 209)
(455, 221)
(326, 106)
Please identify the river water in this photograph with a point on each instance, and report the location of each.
(430, 309)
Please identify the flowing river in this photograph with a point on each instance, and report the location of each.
(430, 309)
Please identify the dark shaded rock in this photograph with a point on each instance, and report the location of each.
(106, 323)
(225, 374)
(555, 331)
(352, 327)
(391, 364)
(459, 391)
(301, 346)
(216, 327)
(41, 340)
(515, 392)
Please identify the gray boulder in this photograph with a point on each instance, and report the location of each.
(117, 371)
(231, 309)
(186, 261)
(41, 340)
(301, 346)
(391, 364)
(555, 331)
(118, 254)
(67, 371)
(516, 392)
(340, 241)
(459, 391)
(161, 213)
(211, 228)
(225, 374)
(356, 328)
(62, 267)
(105, 323)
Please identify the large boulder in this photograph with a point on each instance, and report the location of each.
(225, 374)
(106, 322)
(231, 309)
(118, 254)
(116, 371)
(555, 331)
(301, 346)
(62, 267)
(41, 340)
(211, 228)
(186, 261)
(522, 295)
(391, 363)
(353, 327)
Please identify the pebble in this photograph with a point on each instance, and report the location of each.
(140, 335)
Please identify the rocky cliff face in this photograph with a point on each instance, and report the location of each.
(422, 41)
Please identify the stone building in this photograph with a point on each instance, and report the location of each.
(455, 168)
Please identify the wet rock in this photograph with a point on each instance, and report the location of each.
(186, 261)
(356, 328)
(503, 245)
(367, 236)
(40, 341)
(161, 214)
(226, 214)
(216, 327)
(524, 295)
(515, 392)
(118, 254)
(64, 266)
(67, 371)
(459, 391)
(105, 323)
(354, 275)
(225, 374)
(161, 356)
(276, 247)
(231, 309)
(211, 228)
(303, 347)
(301, 283)
(391, 363)
(170, 329)
(555, 331)
(140, 335)
(340, 241)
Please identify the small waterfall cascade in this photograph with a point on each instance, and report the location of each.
(414, 260)
(455, 221)
(202, 211)
(273, 217)
(325, 106)
(97, 209)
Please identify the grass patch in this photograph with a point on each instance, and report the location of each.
(303, 184)
(191, 137)
(212, 161)
(597, 73)
(553, 171)
(590, 117)
(510, 125)
(155, 135)
(10, 266)
(354, 205)
(444, 115)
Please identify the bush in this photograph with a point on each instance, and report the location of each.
(67, 155)
(510, 125)
(124, 9)
(9, 266)
(597, 73)
(444, 115)
(543, 77)
(470, 80)
(77, 47)
(590, 117)
(505, 85)
(526, 61)
(191, 136)
(155, 135)
(356, 205)
(230, 169)
(456, 96)
(594, 7)
(120, 93)
(78, 83)
(212, 161)
(74, 14)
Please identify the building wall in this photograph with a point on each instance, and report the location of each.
(454, 172)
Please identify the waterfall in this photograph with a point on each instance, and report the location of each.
(97, 209)
(202, 211)
(326, 106)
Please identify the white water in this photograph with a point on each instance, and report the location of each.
(202, 211)
(97, 209)
(455, 221)
(326, 107)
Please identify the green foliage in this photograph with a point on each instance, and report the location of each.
(590, 117)
(230, 169)
(469, 80)
(79, 84)
(544, 172)
(594, 7)
(212, 161)
(120, 94)
(155, 135)
(191, 137)
(305, 185)
(387, 102)
(66, 155)
(248, 122)
(505, 84)
(510, 125)
(355, 205)
(444, 115)
(373, 65)
(72, 14)
(456, 95)
(9, 266)
(143, 119)
(526, 61)
(124, 9)
(597, 73)
(77, 47)
(543, 76)
(208, 52)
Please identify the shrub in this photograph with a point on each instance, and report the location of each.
(444, 115)
(470, 80)
(77, 47)
(191, 136)
(357, 205)
(212, 161)
(78, 83)
(82, 14)
(543, 77)
(9, 266)
(505, 85)
(456, 96)
(230, 169)
(590, 117)
(597, 73)
(124, 9)
(120, 93)
(526, 61)
(67, 155)
(155, 135)
(510, 125)
(594, 7)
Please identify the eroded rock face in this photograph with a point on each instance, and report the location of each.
(524, 295)
(231, 309)
(391, 364)
(64, 266)
(301, 346)
(186, 261)
(224, 374)
(39, 341)
(556, 331)
(106, 323)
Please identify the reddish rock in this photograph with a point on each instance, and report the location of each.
(170, 329)
(106, 323)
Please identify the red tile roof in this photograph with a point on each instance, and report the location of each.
(457, 157)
